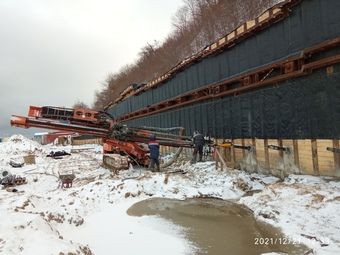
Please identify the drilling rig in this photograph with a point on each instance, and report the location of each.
(130, 142)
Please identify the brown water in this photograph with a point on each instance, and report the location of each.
(219, 227)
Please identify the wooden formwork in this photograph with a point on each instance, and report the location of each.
(87, 141)
(282, 157)
(309, 156)
(326, 162)
(305, 156)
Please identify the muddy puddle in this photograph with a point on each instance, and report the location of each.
(219, 227)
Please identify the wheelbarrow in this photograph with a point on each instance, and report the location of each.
(66, 180)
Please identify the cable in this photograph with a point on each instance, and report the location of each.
(108, 114)
(140, 171)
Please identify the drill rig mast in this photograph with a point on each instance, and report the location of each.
(117, 138)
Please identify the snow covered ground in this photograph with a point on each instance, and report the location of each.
(90, 218)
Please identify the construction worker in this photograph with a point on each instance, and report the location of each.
(199, 141)
(154, 153)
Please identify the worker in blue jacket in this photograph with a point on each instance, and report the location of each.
(154, 153)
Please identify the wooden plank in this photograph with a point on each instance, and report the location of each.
(87, 141)
(336, 158)
(274, 155)
(238, 153)
(222, 160)
(250, 24)
(216, 158)
(232, 156)
(266, 154)
(280, 144)
(305, 156)
(231, 36)
(253, 143)
(315, 157)
(226, 152)
(296, 153)
(260, 152)
(264, 16)
(240, 29)
(243, 151)
(221, 41)
(276, 10)
(287, 143)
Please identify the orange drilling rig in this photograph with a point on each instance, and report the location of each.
(116, 137)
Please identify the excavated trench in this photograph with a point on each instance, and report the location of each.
(218, 226)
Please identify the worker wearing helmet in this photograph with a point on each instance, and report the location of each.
(154, 153)
(199, 141)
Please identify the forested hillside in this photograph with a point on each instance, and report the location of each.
(196, 23)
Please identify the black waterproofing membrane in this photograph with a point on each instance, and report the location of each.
(307, 107)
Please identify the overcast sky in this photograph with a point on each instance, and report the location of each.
(55, 52)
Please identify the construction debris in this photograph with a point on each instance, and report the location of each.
(57, 154)
(16, 164)
(7, 179)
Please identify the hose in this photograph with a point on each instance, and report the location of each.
(172, 160)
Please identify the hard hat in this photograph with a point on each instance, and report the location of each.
(152, 137)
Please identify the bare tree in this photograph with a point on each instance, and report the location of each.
(80, 104)
(196, 23)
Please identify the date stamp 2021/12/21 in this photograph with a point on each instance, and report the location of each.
(289, 241)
